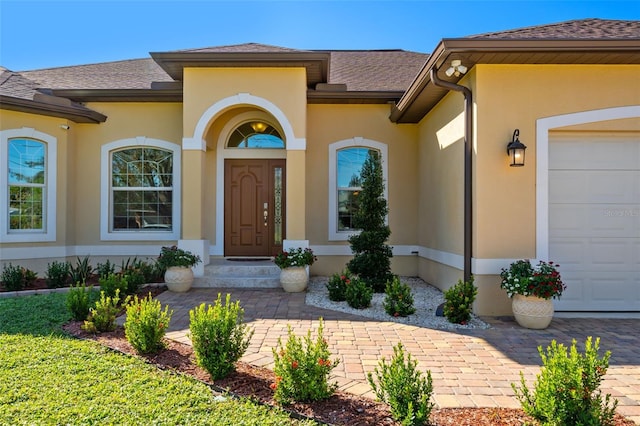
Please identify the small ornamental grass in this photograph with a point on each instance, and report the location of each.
(103, 316)
(146, 324)
(81, 271)
(358, 294)
(459, 300)
(398, 301)
(401, 385)
(337, 285)
(302, 368)
(566, 390)
(219, 336)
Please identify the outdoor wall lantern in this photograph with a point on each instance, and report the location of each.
(515, 150)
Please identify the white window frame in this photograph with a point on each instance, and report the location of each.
(356, 142)
(106, 234)
(49, 208)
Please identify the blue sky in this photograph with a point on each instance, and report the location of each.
(44, 34)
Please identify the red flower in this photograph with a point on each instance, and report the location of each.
(273, 386)
(294, 364)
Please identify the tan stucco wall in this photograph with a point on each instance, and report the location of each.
(65, 153)
(283, 88)
(328, 124)
(505, 98)
(125, 120)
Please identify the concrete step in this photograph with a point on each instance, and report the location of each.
(239, 274)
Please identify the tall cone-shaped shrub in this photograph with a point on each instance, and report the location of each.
(372, 257)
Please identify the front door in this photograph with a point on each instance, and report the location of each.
(254, 207)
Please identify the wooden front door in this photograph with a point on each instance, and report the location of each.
(254, 207)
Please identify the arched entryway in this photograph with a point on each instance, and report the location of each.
(254, 185)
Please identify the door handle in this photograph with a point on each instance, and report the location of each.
(265, 213)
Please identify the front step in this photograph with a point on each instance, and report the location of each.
(239, 274)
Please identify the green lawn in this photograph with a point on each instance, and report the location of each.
(48, 378)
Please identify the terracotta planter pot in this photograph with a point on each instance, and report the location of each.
(532, 312)
(178, 278)
(294, 279)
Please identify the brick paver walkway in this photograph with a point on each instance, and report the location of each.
(470, 368)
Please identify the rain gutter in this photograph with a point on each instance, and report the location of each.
(468, 152)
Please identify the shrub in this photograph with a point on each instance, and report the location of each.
(398, 300)
(114, 283)
(566, 390)
(404, 388)
(337, 285)
(371, 256)
(57, 274)
(78, 301)
(302, 368)
(134, 278)
(105, 269)
(459, 300)
(219, 336)
(146, 324)
(103, 316)
(16, 278)
(358, 294)
(82, 270)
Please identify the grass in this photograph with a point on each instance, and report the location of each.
(48, 378)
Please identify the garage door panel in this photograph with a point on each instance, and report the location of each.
(593, 154)
(594, 222)
(610, 255)
(594, 187)
(569, 254)
(578, 220)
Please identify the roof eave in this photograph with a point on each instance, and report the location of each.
(316, 63)
(120, 95)
(75, 114)
(353, 97)
(449, 49)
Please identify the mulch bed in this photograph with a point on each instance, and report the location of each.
(253, 382)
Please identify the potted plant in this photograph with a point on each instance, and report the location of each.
(293, 268)
(177, 264)
(531, 289)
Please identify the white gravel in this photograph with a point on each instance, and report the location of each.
(426, 300)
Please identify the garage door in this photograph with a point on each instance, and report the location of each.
(594, 221)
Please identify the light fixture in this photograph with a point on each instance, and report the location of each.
(258, 126)
(456, 68)
(515, 150)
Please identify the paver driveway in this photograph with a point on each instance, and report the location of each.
(470, 368)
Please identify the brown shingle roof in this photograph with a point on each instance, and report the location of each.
(241, 48)
(378, 70)
(599, 29)
(15, 85)
(129, 74)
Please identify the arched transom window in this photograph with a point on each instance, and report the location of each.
(256, 134)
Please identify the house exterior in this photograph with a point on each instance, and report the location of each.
(239, 151)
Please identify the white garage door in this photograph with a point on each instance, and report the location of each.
(594, 221)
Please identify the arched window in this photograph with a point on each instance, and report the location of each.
(255, 134)
(27, 185)
(141, 190)
(345, 165)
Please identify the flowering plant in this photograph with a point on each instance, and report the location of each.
(295, 257)
(173, 256)
(543, 280)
